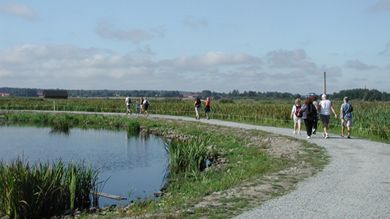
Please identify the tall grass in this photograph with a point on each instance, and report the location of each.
(187, 156)
(44, 190)
(63, 122)
(370, 119)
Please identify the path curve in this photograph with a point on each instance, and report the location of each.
(355, 184)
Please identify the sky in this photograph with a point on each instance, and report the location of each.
(218, 45)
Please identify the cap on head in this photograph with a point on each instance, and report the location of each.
(323, 96)
(346, 98)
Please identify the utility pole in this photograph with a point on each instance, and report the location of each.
(324, 82)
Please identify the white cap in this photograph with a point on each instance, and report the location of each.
(323, 96)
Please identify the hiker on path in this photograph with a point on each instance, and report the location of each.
(309, 113)
(142, 104)
(346, 117)
(128, 105)
(138, 106)
(325, 110)
(315, 103)
(296, 115)
(207, 107)
(197, 104)
(145, 105)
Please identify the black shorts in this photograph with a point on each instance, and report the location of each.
(325, 119)
(207, 109)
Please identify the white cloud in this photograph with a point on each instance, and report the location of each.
(134, 35)
(296, 59)
(19, 10)
(359, 65)
(66, 66)
(380, 6)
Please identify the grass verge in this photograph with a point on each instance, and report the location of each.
(241, 161)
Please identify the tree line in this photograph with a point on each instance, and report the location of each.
(356, 94)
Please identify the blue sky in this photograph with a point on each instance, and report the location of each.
(217, 45)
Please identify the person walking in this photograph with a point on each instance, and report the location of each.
(346, 117)
(309, 112)
(142, 105)
(145, 105)
(137, 106)
(128, 105)
(197, 104)
(207, 107)
(296, 115)
(315, 103)
(326, 108)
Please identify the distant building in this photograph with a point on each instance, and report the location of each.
(4, 94)
(60, 94)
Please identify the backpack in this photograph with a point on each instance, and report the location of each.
(298, 112)
(349, 109)
(197, 103)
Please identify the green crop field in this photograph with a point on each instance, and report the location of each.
(370, 119)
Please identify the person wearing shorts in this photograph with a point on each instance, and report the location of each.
(296, 115)
(346, 117)
(207, 107)
(326, 108)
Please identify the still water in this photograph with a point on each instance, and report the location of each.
(135, 167)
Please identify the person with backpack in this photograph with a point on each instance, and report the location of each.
(309, 114)
(197, 104)
(296, 115)
(346, 117)
(145, 105)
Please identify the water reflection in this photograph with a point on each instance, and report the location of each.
(134, 166)
(59, 131)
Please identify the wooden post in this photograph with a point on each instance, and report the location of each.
(324, 82)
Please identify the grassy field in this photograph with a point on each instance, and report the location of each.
(235, 157)
(370, 119)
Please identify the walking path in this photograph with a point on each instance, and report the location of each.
(355, 184)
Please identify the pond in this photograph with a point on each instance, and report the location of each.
(134, 167)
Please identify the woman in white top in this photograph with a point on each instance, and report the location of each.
(326, 107)
(296, 116)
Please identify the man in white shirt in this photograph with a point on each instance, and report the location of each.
(326, 107)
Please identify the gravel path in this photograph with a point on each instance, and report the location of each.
(355, 184)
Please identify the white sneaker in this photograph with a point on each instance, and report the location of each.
(294, 132)
(308, 137)
(326, 136)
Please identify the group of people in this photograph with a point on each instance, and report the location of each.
(197, 105)
(141, 105)
(308, 112)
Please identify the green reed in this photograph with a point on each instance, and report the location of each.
(44, 189)
(188, 156)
